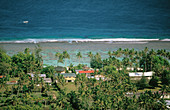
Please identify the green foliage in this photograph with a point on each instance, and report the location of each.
(89, 93)
(49, 71)
(154, 81)
(159, 64)
(96, 61)
(109, 69)
(78, 55)
(74, 100)
(166, 77)
(25, 88)
(5, 63)
(148, 100)
(142, 83)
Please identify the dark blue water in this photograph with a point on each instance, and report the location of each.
(84, 19)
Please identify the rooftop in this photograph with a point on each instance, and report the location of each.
(67, 74)
(141, 74)
(89, 71)
(47, 80)
(60, 68)
(40, 75)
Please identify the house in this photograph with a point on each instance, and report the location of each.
(60, 69)
(167, 103)
(98, 77)
(47, 80)
(40, 75)
(130, 69)
(12, 82)
(138, 75)
(69, 77)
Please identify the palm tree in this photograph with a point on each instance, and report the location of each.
(32, 62)
(151, 54)
(126, 52)
(109, 53)
(79, 56)
(60, 60)
(132, 52)
(118, 54)
(136, 60)
(161, 52)
(38, 56)
(57, 55)
(90, 54)
(146, 50)
(98, 55)
(66, 55)
(145, 56)
(125, 62)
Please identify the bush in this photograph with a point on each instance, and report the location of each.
(154, 81)
(165, 77)
(142, 83)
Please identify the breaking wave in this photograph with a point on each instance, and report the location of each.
(84, 40)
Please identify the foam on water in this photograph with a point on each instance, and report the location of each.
(165, 40)
(130, 40)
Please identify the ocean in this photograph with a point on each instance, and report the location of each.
(83, 25)
(25, 20)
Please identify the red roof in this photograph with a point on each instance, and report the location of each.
(2, 76)
(13, 81)
(91, 71)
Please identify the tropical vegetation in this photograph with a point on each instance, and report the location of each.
(118, 91)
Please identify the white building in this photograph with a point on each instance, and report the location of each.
(138, 75)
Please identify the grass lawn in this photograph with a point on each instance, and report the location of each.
(148, 89)
(70, 87)
(14, 79)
